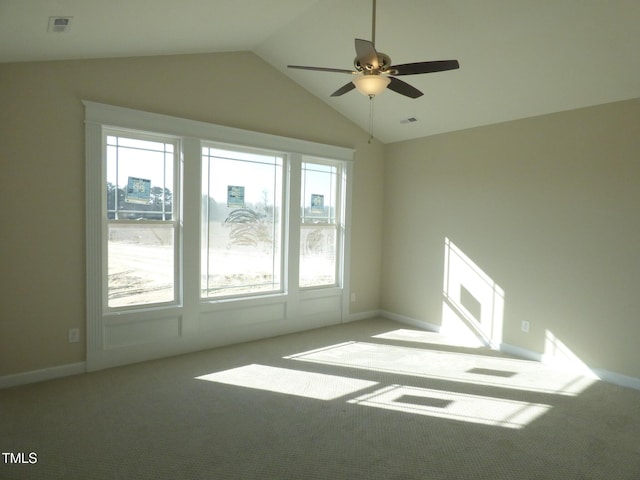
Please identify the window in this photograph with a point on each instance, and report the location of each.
(241, 222)
(142, 226)
(205, 234)
(320, 212)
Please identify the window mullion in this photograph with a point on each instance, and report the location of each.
(192, 213)
(294, 191)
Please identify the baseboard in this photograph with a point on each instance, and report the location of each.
(42, 375)
(51, 373)
(602, 374)
(521, 352)
(618, 379)
(577, 368)
(409, 321)
(354, 317)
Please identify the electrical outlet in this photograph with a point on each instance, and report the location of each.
(73, 335)
(525, 326)
(353, 297)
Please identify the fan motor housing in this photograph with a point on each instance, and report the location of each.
(384, 62)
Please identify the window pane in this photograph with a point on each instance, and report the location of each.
(318, 234)
(140, 264)
(317, 256)
(139, 179)
(318, 193)
(241, 223)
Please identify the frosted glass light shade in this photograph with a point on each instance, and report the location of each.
(371, 84)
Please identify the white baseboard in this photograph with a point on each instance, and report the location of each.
(34, 376)
(410, 321)
(618, 379)
(51, 373)
(602, 374)
(521, 352)
(354, 317)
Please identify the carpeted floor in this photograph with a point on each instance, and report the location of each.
(367, 400)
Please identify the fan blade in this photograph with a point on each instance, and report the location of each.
(425, 67)
(403, 88)
(344, 89)
(366, 54)
(323, 69)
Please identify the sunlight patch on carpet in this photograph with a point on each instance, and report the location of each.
(291, 382)
(498, 412)
(425, 337)
(458, 367)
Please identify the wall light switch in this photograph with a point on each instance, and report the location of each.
(525, 326)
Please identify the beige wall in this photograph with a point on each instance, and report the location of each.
(42, 175)
(547, 207)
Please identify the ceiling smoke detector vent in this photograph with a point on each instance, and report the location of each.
(59, 24)
(409, 120)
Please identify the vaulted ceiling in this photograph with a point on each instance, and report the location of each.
(518, 58)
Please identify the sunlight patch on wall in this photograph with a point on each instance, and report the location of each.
(473, 302)
(454, 406)
(558, 355)
(290, 382)
(450, 366)
(454, 326)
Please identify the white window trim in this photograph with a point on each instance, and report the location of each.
(176, 222)
(340, 222)
(284, 200)
(158, 331)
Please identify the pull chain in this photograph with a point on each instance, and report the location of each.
(370, 118)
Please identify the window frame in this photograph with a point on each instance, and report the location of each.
(175, 222)
(131, 335)
(284, 200)
(338, 219)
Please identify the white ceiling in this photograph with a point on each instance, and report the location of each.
(519, 58)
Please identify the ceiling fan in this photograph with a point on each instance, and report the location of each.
(373, 71)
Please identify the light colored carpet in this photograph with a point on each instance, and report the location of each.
(367, 400)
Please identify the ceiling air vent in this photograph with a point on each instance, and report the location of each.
(59, 24)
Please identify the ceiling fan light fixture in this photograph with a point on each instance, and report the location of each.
(371, 85)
